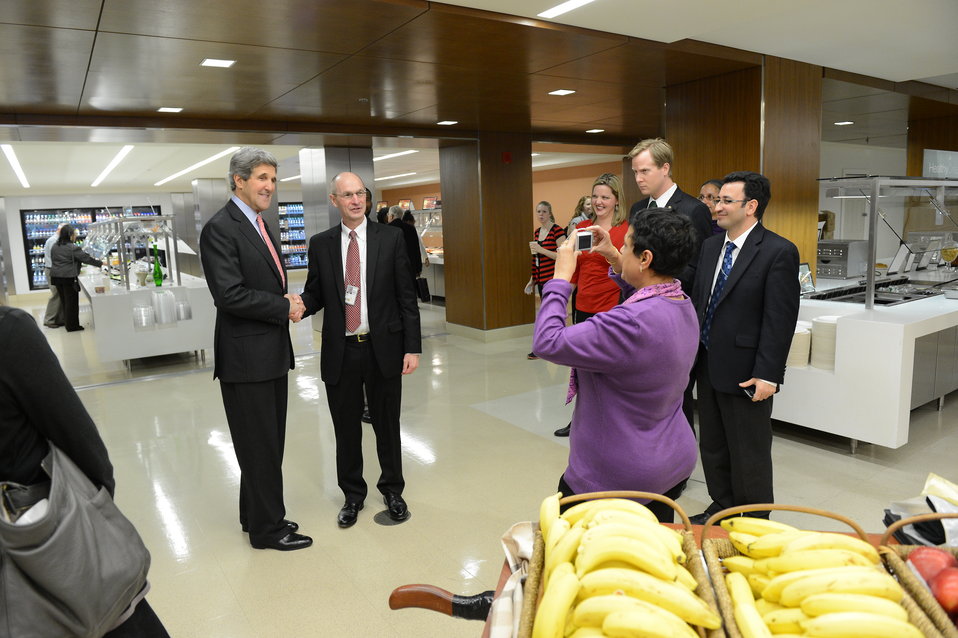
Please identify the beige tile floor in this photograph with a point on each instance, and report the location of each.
(479, 455)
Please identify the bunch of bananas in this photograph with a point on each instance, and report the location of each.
(794, 582)
(612, 570)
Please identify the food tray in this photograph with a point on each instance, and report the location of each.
(895, 556)
(715, 549)
(532, 590)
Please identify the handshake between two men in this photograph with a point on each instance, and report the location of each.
(296, 307)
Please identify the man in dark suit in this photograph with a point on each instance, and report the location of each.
(359, 272)
(394, 218)
(253, 350)
(746, 294)
(652, 165)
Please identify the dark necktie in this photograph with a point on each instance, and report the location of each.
(353, 278)
(652, 203)
(717, 292)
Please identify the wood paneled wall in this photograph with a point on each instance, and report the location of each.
(486, 230)
(793, 133)
(940, 133)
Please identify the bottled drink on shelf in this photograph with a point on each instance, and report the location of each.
(157, 270)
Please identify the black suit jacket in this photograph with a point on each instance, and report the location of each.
(393, 311)
(252, 318)
(754, 320)
(698, 214)
(412, 245)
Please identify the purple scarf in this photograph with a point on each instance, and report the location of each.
(671, 289)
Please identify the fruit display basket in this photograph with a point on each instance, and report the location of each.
(717, 549)
(533, 589)
(895, 556)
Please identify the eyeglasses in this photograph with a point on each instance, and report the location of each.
(711, 198)
(359, 194)
(726, 201)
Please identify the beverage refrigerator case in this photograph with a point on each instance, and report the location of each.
(37, 225)
(292, 235)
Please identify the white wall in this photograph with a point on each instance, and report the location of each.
(851, 219)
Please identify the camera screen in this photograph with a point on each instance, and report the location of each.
(584, 241)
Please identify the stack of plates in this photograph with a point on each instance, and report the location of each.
(143, 317)
(823, 342)
(801, 345)
(164, 306)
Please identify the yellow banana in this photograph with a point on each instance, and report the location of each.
(548, 513)
(811, 559)
(685, 578)
(592, 611)
(670, 596)
(850, 624)
(852, 580)
(750, 624)
(623, 529)
(738, 589)
(559, 594)
(564, 551)
(763, 606)
(646, 621)
(772, 544)
(832, 540)
(773, 591)
(741, 541)
(742, 564)
(785, 621)
(670, 537)
(829, 603)
(587, 632)
(755, 526)
(585, 511)
(556, 531)
(757, 582)
(631, 550)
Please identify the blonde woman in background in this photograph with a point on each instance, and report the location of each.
(583, 211)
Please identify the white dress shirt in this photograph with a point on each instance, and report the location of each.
(361, 241)
(663, 200)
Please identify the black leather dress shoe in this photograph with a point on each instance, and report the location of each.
(396, 507)
(564, 431)
(288, 543)
(349, 513)
(293, 527)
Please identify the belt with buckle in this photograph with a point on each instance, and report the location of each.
(361, 338)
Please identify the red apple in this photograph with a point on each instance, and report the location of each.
(931, 560)
(945, 588)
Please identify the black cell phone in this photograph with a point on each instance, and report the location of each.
(583, 241)
(749, 392)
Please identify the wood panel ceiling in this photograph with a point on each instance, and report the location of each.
(364, 66)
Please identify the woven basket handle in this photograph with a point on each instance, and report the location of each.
(909, 520)
(588, 496)
(759, 507)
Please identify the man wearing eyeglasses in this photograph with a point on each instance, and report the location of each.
(359, 272)
(746, 294)
(652, 166)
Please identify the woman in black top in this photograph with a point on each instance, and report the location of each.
(38, 404)
(67, 257)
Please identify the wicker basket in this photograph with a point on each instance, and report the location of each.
(532, 591)
(895, 556)
(716, 549)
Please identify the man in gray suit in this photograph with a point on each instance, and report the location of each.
(253, 350)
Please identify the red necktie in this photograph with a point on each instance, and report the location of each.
(353, 278)
(272, 249)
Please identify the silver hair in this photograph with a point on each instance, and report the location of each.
(245, 160)
(396, 212)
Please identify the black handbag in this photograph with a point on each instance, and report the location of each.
(422, 289)
(76, 570)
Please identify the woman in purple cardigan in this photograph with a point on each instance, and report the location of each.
(630, 364)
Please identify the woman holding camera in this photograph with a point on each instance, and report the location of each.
(631, 363)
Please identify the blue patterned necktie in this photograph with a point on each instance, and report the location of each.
(717, 292)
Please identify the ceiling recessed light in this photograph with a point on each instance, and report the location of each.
(392, 155)
(113, 164)
(169, 109)
(186, 170)
(289, 179)
(565, 7)
(562, 92)
(379, 179)
(596, 130)
(845, 123)
(15, 164)
(447, 122)
(224, 64)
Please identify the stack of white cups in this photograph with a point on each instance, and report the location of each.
(823, 342)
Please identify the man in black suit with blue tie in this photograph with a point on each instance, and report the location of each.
(254, 354)
(746, 294)
(359, 272)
